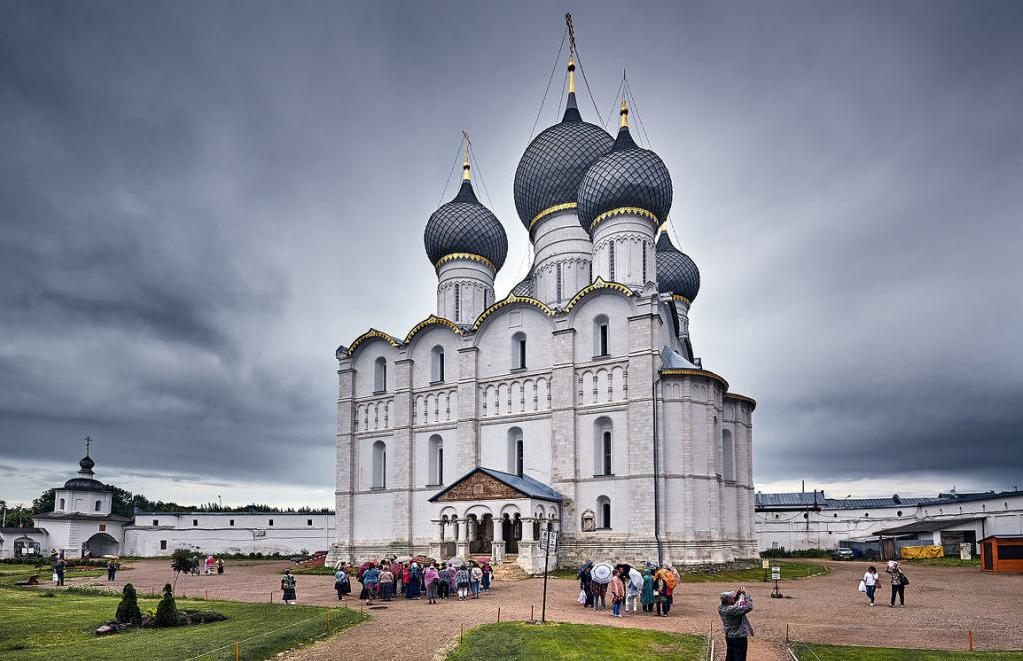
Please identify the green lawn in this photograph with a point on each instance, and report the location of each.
(789, 570)
(11, 574)
(314, 571)
(36, 626)
(940, 562)
(855, 653)
(509, 641)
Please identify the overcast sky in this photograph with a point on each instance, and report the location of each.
(200, 201)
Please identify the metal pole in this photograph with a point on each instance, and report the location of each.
(546, 557)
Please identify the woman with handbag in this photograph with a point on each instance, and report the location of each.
(869, 583)
(899, 583)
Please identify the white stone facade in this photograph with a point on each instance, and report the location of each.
(160, 533)
(680, 480)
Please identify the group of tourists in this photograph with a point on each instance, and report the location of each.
(651, 587)
(870, 582)
(212, 565)
(411, 578)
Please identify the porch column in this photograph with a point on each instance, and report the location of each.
(497, 547)
(435, 543)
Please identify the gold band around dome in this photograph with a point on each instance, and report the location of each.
(680, 297)
(551, 210)
(622, 211)
(465, 255)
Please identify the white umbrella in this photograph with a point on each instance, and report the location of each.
(601, 573)
(456, 562)
(636, 578)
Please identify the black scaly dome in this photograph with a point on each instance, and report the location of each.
(676, 272)
(85, 481)
(555, 161)
(463, 225)
(629, 176)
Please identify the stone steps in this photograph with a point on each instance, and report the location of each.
(509, 571)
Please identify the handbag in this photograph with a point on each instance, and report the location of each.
(863, 586)
(903, 578)
(582, 597)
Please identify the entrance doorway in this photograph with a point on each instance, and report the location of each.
(482, 545)
(511, 529)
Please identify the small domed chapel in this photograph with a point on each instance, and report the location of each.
(574, 403)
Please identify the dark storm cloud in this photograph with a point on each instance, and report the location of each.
(199, 202)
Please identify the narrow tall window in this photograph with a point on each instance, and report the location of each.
(644, 262)
(611, 260)
(519, 454)
(458, 304)
(379, 465)
(61, 503)
(380, 375)
(559, 282)
(600, 335)
(604, 509)
(727, 455)
(606, 448)
(436, 460)
(515, 451)
(99, 505)
(437, 364)
(519, 351)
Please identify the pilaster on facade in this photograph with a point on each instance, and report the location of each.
(467, 455)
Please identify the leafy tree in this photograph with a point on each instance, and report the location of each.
(128, 610)
(44, 503)
(15, 516)
(167, 610)
(181, 562)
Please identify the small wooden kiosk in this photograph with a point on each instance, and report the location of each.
(1002, 554)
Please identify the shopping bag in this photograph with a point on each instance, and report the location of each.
(582, 597)
(54, 577)
(863, 586)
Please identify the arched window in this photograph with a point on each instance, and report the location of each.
(437, 364)
(600, 336)
(436, 460)
(727, 455)
(644, 262)
(611, 260)
(379, 465)
(99, 505)
(559, 282)
(458, 304)
(380, 374)
(61, 503)
(518, 349)
(604, 508)
(516, 451)
(602, 438)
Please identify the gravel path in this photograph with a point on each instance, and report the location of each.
(942, 603)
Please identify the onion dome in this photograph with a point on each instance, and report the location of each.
(87, 463)
(629, 180)
(548, 175)
(524, 288)
(676, 272)
(465, 229)
(84, 484)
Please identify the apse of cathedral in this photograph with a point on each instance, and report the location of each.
(574, 403)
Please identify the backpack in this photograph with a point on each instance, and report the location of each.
(903, 578)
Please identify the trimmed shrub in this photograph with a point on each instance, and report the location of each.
(128, 610)
(167, 610)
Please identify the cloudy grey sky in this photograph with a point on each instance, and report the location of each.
(200, 201)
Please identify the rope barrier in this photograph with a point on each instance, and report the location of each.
(238, 643)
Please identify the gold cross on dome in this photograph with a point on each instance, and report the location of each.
(88, 444)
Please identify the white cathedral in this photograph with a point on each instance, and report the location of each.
(575, 402)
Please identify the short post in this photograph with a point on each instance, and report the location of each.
(328, 620)
(530, 612)
(969, 638)
(237, 651)
(206, 594)
(786, 632)
(461, 632)
(498, 613)
(271, 597)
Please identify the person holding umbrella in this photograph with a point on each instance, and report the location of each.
(632, 590)
(600, 576)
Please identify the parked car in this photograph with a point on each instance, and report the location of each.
(842, 554)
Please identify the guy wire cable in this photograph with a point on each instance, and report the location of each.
(549, 79)
(448, 182)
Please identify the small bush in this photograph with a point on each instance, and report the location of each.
(203, 617)
(167, 610)
(128, 610)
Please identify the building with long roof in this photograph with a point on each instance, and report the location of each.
(574, 402)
